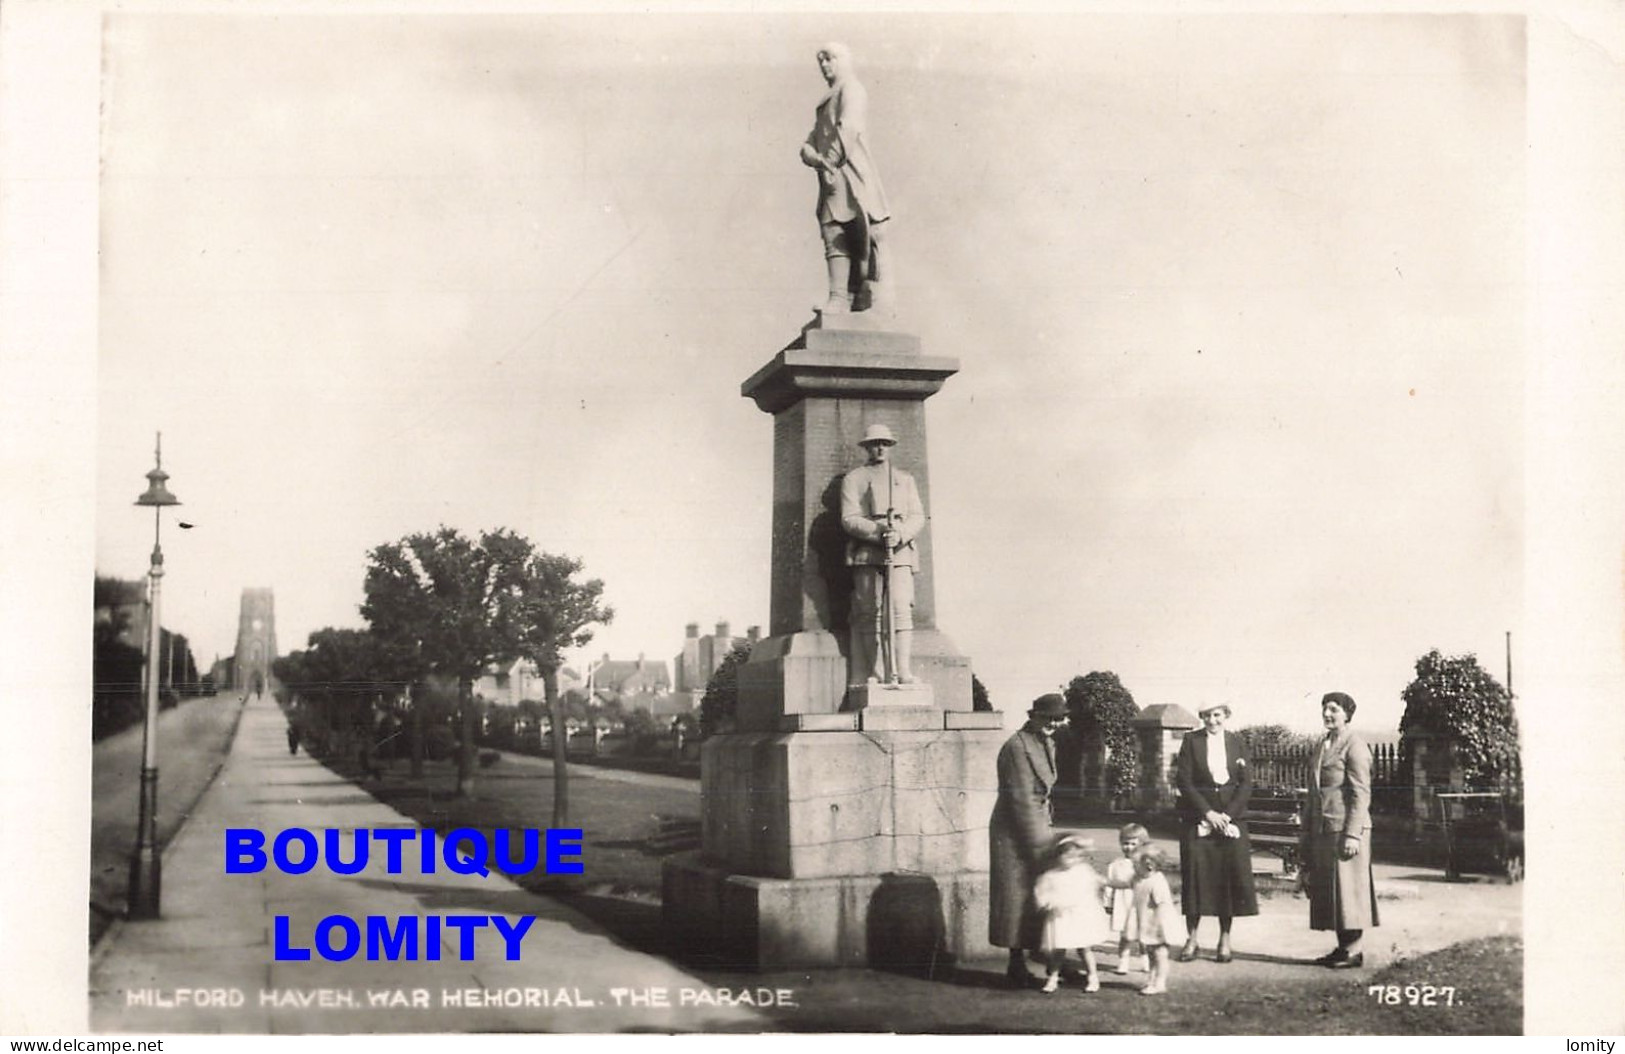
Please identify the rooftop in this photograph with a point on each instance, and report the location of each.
(1165, 715)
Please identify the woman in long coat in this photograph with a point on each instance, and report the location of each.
(1020, 832)
(1215, 777)
(1337, 835)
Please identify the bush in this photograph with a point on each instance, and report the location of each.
(439, 743)
(1102, 712)
(118, 700)
(1456, 698)
(979, 699)
(721, 700)
(1276, 739)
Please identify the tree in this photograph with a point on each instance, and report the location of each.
(114, 596)
(553, 613)
(1102, 712)
(643, 727)
(116, 667)
(1454, 697)
(1275, 739)
(720, 702)
(454, 604)
(337, 678)
(178, 666)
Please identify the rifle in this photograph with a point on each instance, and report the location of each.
(888, 628)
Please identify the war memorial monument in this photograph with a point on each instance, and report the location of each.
(845, 815)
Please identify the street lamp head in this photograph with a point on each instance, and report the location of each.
(157, 494)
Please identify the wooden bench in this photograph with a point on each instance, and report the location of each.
(1275, 823)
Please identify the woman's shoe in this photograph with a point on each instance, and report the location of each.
(1188, 952)
(1052, 984)
(1093, 984)
(1018, 976)
(1349, 962)
(1332, 958)
(1223, 957)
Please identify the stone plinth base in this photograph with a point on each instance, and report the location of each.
(797, 673)
(911, 922)
(806, 673)
(893, 718)
(863, 696)
(904, 796)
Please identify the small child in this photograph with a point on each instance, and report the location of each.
(1155, 921)
(1069, 896)
(1120, 893)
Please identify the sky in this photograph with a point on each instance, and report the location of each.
(1239, 304)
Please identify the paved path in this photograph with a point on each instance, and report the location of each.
(215, 941)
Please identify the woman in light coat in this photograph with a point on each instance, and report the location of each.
(1337, 836)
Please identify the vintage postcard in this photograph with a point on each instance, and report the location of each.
(745, 519)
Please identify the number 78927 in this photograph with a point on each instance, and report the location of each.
(1413, 994)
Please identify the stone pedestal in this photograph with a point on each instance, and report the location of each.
(915, 923)
(864, 696)
(842, 825)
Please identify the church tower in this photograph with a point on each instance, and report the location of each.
(256, 642)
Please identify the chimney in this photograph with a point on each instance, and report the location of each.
(753, 634)
(722, 630)
(693, 630)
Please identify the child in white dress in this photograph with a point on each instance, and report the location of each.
(1069, 896)
(1155, 920)
(1119, 893)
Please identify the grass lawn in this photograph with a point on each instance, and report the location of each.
(630, 828)
(194, 739)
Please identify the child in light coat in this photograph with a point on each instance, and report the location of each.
(1155, 920)
(1119, 893)
(1068, 894)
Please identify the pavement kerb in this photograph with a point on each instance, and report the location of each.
(110, 934)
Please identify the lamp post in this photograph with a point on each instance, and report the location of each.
(145, 868)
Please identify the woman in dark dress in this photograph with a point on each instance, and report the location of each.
(1214, 774)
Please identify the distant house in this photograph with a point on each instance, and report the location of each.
(519, 680)
(633, 683)
(221, 673)
(123, 604)
(700, 658)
